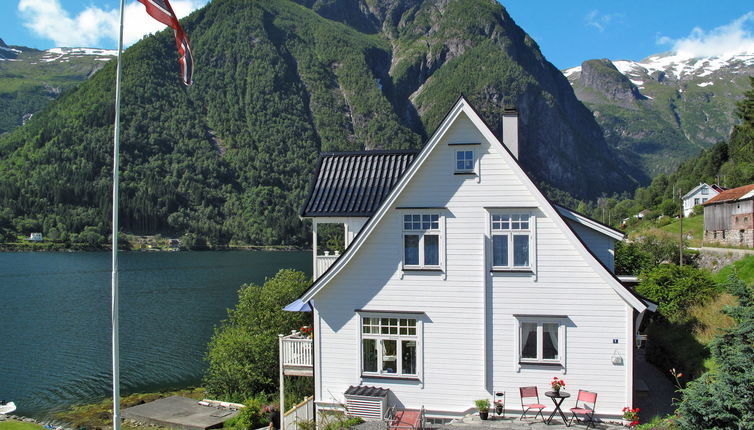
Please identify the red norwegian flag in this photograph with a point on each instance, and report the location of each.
(163, 12)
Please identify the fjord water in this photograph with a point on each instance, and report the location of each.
(55, 327)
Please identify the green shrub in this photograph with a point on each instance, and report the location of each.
(676, 289)
(631, 259)
(338, 420)
(243, 353)
(253, 416)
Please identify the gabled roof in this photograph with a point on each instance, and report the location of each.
(732, 195)
(590, 223)
(462, 106)
(354, 183)
(696, 188)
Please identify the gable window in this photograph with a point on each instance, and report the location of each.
(389, 346)
(705, 191)
(421, 241)
(511, 238)
(541, 340)
(464, 161)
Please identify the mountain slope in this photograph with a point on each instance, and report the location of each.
(30, 79)
(660, 111)
(276, 82)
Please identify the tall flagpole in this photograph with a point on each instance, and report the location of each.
(116, 165)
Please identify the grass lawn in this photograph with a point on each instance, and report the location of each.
(19, 425)
(692, 226)
(744, 267)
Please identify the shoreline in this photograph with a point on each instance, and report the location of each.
(272, 248)
(98, 415)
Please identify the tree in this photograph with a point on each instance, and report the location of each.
(722, 398)
(243, 353)
(631, 259)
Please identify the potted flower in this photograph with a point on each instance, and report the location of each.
(557, 384)
(499, 407)
(306, 331)
(483, 406)
(630, 416)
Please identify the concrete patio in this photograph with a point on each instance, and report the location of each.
(511, 421)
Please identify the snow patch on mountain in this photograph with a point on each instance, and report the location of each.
(678, 65)
(63, 54)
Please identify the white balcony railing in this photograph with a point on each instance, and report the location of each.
(323, 262)
(296, 354)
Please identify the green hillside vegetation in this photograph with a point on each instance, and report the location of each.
(744, 268)
(228, 160)
(28, 83)
(655, 127)
(731, 164)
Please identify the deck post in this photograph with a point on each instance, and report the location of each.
(315, 275)
(281, 408)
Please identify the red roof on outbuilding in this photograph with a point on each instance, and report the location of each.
(730, 195)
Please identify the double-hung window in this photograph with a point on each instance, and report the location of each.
(389, 346)
(464, 161)
(421, 241)
(541, 340)
(512, 235)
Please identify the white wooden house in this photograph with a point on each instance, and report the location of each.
(699, 196)
(460, 280)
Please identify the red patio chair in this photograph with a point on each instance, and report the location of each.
(530, 393)
(588, 402)
(407, 419)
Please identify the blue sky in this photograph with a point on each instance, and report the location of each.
(567, 32)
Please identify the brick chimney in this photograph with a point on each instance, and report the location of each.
(510, 131)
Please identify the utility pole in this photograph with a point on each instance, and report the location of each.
(680, 219)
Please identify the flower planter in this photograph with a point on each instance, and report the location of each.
(484, 415)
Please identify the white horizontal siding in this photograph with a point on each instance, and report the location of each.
(469, 351)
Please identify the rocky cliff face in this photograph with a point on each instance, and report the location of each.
(443, 48)
(664, 109)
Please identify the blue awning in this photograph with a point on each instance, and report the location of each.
(298, 306)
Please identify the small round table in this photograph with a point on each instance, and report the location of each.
(558, 399)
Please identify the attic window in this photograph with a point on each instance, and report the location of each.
(464, 161)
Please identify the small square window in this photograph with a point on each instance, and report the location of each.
(464, 161)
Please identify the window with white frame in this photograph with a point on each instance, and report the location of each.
(389, 346)
(541, 340)
(511, 240)
(705, 191)
(696, 201)
(464, 161)
(421, 241)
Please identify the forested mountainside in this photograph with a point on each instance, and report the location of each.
(276, 82)
(729, 163)
(30, 78)
(657, 112)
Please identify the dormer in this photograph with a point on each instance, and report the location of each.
(347, 189)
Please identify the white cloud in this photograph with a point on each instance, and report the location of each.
(601, 20)
(94, 27)
(726, 39)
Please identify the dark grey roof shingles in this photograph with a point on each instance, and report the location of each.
(363, 390)
(354, 183)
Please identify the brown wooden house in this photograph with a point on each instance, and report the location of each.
(729, 217)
